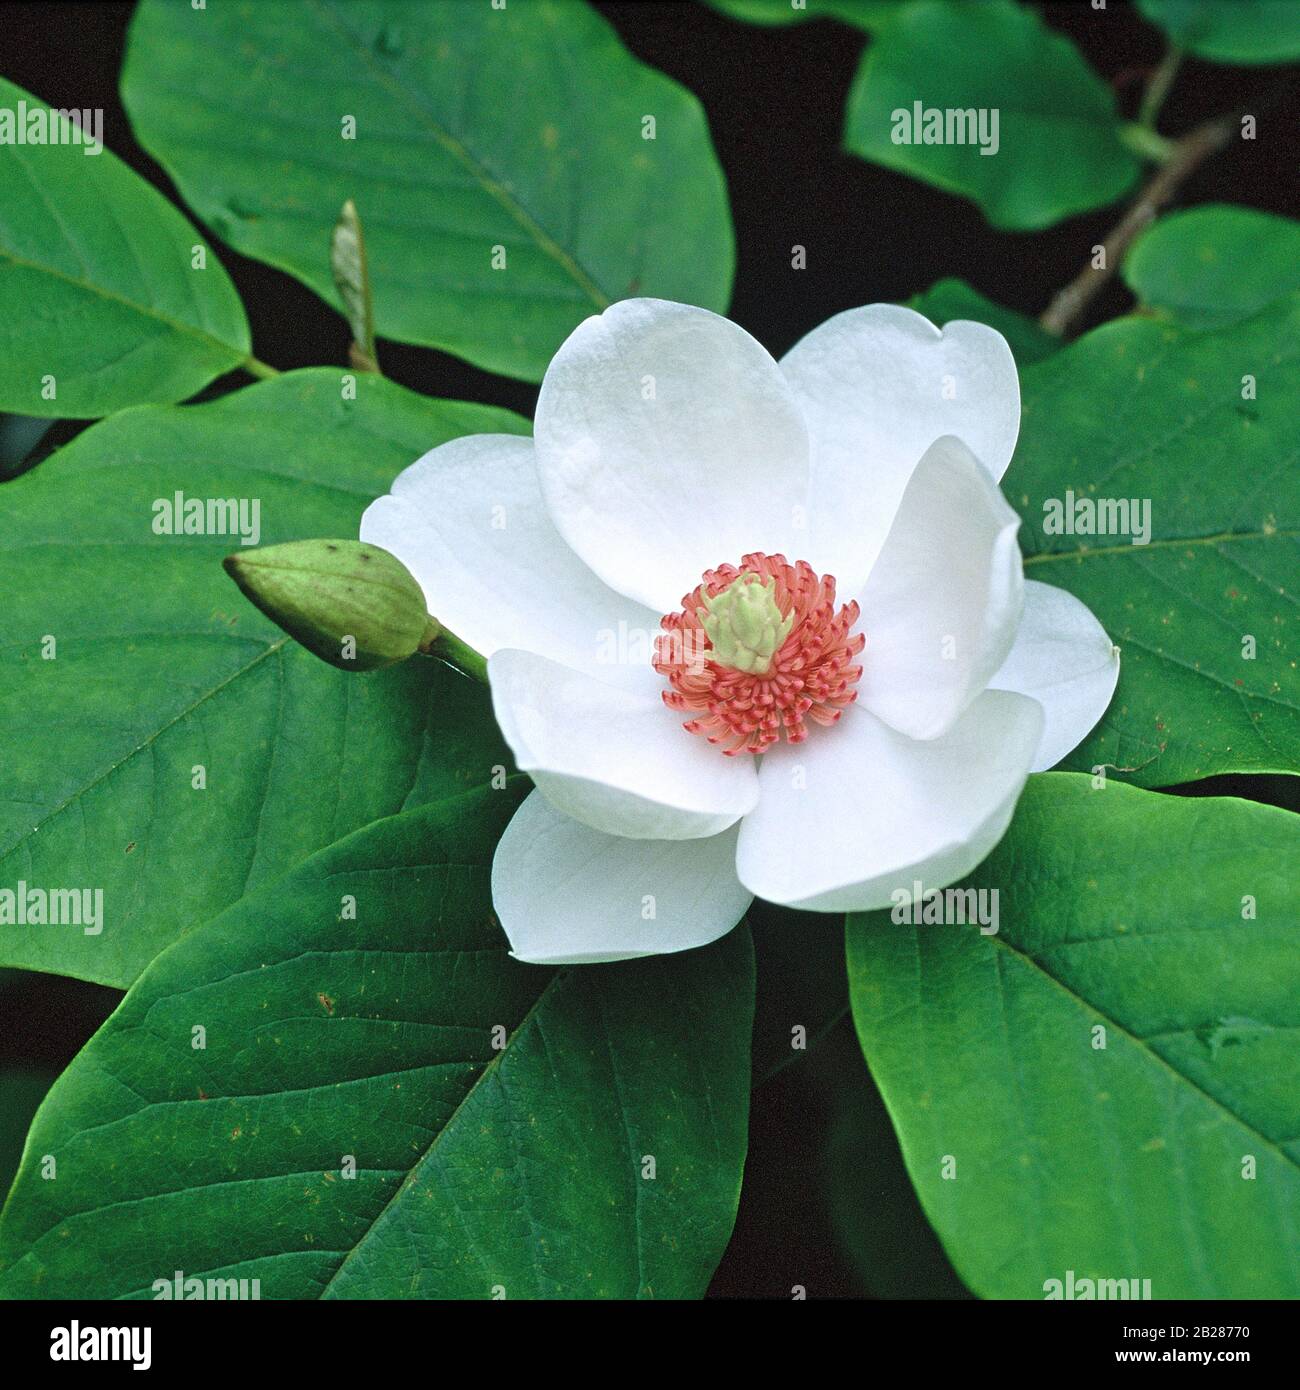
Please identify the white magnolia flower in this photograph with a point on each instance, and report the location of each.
(758, 745)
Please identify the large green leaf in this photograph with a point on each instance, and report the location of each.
(98, 284)
(1215, 264)
(160, 666)
(1230, 31)
(1142, 410)
(950, 299)
(1112, 1081)
(1058, 150)
(480, 133)
(866, 14)
(594, 1150)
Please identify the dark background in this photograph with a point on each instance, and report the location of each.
(775, 99)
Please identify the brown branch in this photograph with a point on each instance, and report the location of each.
(1189, 153)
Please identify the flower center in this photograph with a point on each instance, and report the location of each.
(744, 625)
(756, 651)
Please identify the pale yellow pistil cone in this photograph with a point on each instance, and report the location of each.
(744, 625)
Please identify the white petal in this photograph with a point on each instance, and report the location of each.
(467, 519)
(566, 894)
(1063, 659)
(878, 385)
(617, 760)
(668, 442)
(943, 602)
(860, 810)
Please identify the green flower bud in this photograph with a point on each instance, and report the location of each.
(744, 626)
(352, 604)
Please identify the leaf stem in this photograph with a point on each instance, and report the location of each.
(1147, 143)
(447, 647)
(1157, 88)
(254, 367)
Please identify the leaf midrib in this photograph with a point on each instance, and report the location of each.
(229, 350)
(441, 1134)
(1141, 1045)
(1044, 557)
(184, 713)
(466, 158)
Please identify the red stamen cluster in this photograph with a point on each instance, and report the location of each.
(811, 676)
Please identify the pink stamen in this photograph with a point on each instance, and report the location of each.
(811, 676)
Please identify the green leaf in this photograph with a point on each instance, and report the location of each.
(128, 659)
(481, 133)
(98, 290)
(866, 14)
(1058, 149)
(1171, 1152)
(1230, 31)
(1144, 411)
(1214, 264)
(946, 300)
(520, 1167)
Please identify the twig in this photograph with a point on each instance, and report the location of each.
(1157, 89)
(1189, 153)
